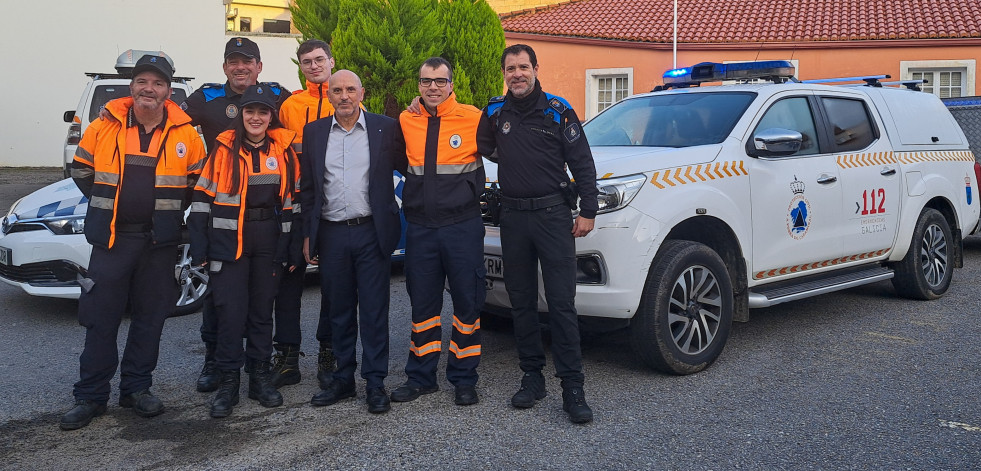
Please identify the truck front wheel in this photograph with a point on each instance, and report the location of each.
(926, 270)
(686, 311)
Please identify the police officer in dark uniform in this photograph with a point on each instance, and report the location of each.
(213, 107)
(537, 136)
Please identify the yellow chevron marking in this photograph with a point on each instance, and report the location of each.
(663, 179)
(606, 175)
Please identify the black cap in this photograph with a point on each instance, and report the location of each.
(156, 64)
(258, 94)
(243, 46)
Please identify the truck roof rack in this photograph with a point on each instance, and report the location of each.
(870, 80)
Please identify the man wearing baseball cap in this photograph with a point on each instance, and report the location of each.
(213, 107)
(137, 167)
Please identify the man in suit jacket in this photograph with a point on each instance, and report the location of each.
(351, 225)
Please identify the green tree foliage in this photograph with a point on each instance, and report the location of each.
(385, 42)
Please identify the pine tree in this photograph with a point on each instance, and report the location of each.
(315, 19)
(474, 42)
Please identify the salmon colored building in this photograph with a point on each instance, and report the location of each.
(596, 52)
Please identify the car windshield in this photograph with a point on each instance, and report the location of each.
(669, 120)
(104, 93)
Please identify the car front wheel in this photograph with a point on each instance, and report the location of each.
(192, 282)
(926, 271)
(686, 311)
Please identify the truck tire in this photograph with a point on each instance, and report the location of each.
(925, 272)
(685, 313)
(192, 283)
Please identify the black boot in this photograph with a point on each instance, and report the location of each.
(325, 366)
(574, 402)
(210, 376)
(227, 397)
(286, 365)
(532, 389)
(260, 385)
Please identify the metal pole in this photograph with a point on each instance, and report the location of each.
(674, 48)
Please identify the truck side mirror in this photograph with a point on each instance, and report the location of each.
(69, 116)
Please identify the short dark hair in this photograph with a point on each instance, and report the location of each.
(311, 45)
(516, 49)
(435, 62)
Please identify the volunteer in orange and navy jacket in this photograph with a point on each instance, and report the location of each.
(302, 107)
(213, 107)
(137, 167)
(444, 178)
(241, 224)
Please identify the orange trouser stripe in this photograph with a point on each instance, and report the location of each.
(472, 351)
(465, 329)
(426, 324)
(426, 349)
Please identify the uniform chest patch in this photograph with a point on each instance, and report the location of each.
(456, 141)
(572, 132)
(506, 127)
(181, 150)
(231, 111)
(184, 105)
(271, 163)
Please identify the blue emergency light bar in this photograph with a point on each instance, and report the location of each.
(776, 71)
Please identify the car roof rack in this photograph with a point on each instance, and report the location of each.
(116, 75)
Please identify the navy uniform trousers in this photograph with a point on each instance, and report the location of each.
(356, 277)
(134, 271)
(527, 239)
(435, 256)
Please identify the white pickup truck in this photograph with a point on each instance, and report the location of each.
(718, 199)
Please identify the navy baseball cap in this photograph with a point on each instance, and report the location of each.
(258, 94)
(156, 64)
(243, 46)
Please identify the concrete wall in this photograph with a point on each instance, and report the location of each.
(46, 47)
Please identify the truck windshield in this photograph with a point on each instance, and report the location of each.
(669, 120)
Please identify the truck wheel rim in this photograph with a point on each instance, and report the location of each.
(933, 255)
(695, 310)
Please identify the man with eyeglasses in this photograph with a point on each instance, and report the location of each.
(444, 178)
(302, 107)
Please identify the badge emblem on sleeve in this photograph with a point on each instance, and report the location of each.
(572, 132)
(506, 127)
(231, 111)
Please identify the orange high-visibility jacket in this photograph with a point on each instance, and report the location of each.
(98, 170)
(302, 107)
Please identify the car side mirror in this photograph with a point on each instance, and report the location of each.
(775, 142)
(69, 116)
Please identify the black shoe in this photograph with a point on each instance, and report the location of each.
(325, 366)
(144, 403)
(80, 415)
(408, 392)
(532, 389)
(227, 397)
(335, 391)
(210, 376)
(286, 365)
(260, 385)
(378, 402)
(574, 402)
(465, 395)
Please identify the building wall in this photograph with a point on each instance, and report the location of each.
(563, 64)
(41, 83)
(507, 6)
(257, 11)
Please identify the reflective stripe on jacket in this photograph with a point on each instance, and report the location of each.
(98, 171)
(444, 174)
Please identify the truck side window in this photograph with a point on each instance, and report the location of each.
(850, 123)
(794, 114)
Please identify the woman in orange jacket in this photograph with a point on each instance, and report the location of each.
(242, 227)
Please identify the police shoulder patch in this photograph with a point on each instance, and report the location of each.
(497, 99)
(557, 105)
(572, 132)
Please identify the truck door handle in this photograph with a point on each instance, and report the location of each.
(825, 179)
(886, 171)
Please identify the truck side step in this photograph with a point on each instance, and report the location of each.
(767, 296)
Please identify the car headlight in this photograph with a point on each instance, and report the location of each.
(74, 225)
(616, 193)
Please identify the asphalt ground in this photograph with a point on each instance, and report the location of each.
(858, 379)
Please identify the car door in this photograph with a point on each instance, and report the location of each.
(870, 176)
(796, 199)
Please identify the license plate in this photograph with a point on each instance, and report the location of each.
(495, 266)
(6, 256)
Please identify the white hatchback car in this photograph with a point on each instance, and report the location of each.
(43, 249)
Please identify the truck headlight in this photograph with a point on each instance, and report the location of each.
(616, 193)
(66, 226)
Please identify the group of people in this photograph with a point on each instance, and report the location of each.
(306, 178)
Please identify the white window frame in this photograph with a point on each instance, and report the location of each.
(592, 86)
(968, 66)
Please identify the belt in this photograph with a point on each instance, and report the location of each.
(352, 221)
(259, 214)
(531, 204)
(134, 227)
